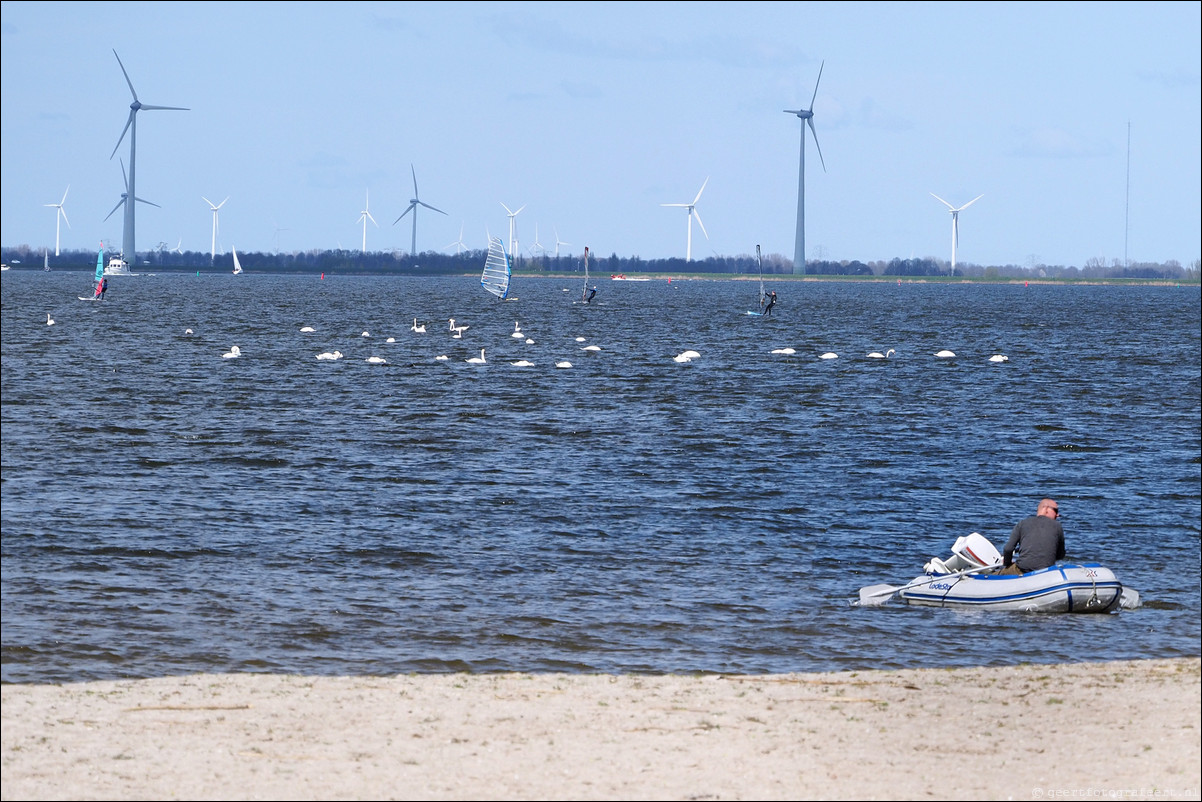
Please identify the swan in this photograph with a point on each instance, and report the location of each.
(829, 355)
(591, 348)
(458, 329)
(517, 331)
(187, 331)
(233, 353)
(330, 355)
(307, 328)
(686, 356)
(999, 358)
(441, 358)
(579, 339)
(945, 354)
(522, 363)
(419, 329)
(377, 360)
(477, 360)
(529, 341)
(49, 320)
(564, 364)
(366, 334)
(879, 355)
(390, 340)
(789, 351)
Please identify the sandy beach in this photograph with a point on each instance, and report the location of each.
(1126, 730)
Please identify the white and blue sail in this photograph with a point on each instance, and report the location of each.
(496, 269)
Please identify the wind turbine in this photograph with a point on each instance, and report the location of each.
(364, 216)
(559, 242)
(807, 118)
(414, 202)
(692, 207)
(59, 217)
(125, 196)
(127, 236)
(459, 244)
(955, 213)
(537, 246)
(513, 242)
(213, 247)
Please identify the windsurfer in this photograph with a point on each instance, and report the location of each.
(771, 303)
(591, 294)
(103, 288)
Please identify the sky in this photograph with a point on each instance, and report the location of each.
(1077, 123)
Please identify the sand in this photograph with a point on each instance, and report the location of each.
(1117, 730)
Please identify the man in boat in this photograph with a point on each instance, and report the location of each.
(771, 303)
(591, 295)
(1038, 540)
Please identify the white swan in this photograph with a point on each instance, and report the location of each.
(330, 355)
(419, 329)
(49, 320)
(187, 331)
(945, 354)
(686, 356)
(517, 331)
(390, 340)
(999, 358)
(377, 360)
(789, 351)
(829, 355)
(529, 341)
(522, 363)
(366, 334)
(233, 353)
(879, 355)
(477, 360)
(458, 329)
(308, 328)
(564, 364)
(591, 348)
(579, 339)
(441, 358)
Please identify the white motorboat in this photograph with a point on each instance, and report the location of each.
(968, 580)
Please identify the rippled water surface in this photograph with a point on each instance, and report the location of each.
(167, 511)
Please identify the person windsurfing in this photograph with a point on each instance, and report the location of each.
(591, 295)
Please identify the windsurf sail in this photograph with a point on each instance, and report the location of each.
(100, 265)
(496, 269)
(584, 292)
(237, 264)
(760, 263)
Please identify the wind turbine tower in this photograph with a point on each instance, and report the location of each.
(692, 207)
(59, 217)
(364, 216)
(414, 202)
(955, 213)
(807, 118)
(128, 254)
(213, 247)
(513, 242)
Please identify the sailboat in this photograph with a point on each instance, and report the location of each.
(496, 270)
(237, 264)
(763, 295)
(45, 260)
(585, 295)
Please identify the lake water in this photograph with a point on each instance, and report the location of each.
(166, 511)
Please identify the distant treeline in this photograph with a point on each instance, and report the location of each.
(433, 263)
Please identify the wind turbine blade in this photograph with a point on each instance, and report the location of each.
(115, 208)
(128, 123)
(64, 200)
(703, 183)
(414, 179)
(227, 197)
(152, 203)
(815, 133)
(144, 107)
(63, 212)
(206, 200)
(372, 219)
(675, 204)
(971, 202)
(941, 200)
(407, 211)
(431, 208)
(124, 178)
(126, 74)
(796, 112)
(515, 214)
(703, 231)
(815, 97)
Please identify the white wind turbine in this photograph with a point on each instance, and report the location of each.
(126, 194)
(414, 202)
(807, 118)
(513, 242)
(59, 217)
(459, 244)
(955, 213)
(128, 254)
(364, 216)
(692, 207)
(213, 247)
(537, 246)
(559, 242)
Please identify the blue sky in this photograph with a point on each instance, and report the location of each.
(592, 115)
